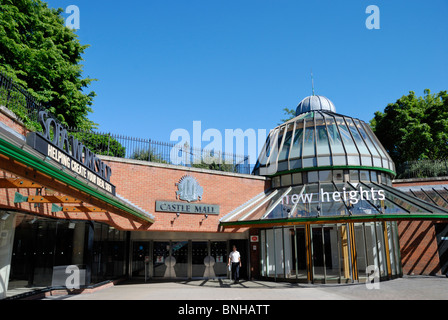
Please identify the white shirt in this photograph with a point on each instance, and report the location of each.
(234, 256)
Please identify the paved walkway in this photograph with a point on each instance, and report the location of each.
(415, 287)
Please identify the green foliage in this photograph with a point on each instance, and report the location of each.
(423, 169)
(214, 163)
(414, 128)
(16, 102)
(101, 144)
(289, 113)
(147, 155)
(40, 53)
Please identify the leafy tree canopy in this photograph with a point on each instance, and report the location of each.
(414, 128)
(39, 52)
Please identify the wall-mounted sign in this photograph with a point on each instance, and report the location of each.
(189, 189)
(182, 207)
(350, 196)
(253, 238)
(55, 143)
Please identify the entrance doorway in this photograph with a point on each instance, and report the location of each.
(183, 259)
(442, 245)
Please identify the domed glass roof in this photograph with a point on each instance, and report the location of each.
(315, 103)
(322, 140)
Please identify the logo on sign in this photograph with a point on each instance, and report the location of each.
(189, 189)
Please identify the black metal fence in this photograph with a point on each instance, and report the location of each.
(17, 99)
(162, 152)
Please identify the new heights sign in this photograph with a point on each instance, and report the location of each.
(55, 143)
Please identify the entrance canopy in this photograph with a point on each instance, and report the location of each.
(35, 183)
(331, 202)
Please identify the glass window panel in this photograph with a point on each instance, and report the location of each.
(375, 140)
(270, 250)
(325, 175)
(366, 161)
(322, 145)
(381, 248)
(284, 153)
(308, 146)
(313, 177)
(361, 256)
(357, 137)
(354, 175)
(276, 182)
(263, 252)
(367, 139)
(346, 137)
(377, 162)
(317, 253)
(353, 160)
(338, 175)
(297, 178)
(333, 137)
(300, 255)
(294, 164)
(296, 149)
(324, 161)
(372, 249)
(279, 253)
(339, 161)
(364, 175)
(288, 246)
(282, 166)
(286, 180)
(373, 176)
(309, 162)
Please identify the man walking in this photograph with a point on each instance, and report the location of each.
(235, 262)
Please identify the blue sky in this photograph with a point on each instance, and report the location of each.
(163, 64)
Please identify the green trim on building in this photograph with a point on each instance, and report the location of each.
(34, 162)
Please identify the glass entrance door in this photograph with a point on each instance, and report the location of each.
(140, 253)
(199, 253)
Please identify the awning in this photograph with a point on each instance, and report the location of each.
(329, 202)
(69, 195)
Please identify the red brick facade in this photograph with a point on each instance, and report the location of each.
(418, 247)
(143, 183)
(418, 243)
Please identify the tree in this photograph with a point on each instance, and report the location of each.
(414, 128)
(289, 113)
(39, 52)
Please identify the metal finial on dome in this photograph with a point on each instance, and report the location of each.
(312, 81)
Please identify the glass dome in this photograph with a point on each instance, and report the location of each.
(322, 140)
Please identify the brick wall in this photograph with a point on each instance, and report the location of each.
(418, 246)
(144, 183)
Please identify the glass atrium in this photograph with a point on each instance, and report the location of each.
(331, 213)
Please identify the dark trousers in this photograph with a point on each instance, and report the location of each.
(235, 271)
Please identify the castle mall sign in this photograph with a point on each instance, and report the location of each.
(190, 191)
